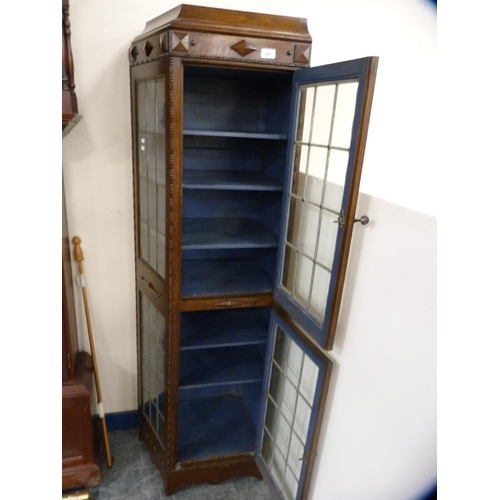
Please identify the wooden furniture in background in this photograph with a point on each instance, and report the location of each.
(246, 174)
(80, 432)
(70, 116)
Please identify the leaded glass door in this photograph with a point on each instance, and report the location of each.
(295, 385)
(151, 250)
(151, 170)
(326, 145)
(325, 153)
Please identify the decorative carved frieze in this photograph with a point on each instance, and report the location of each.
(180, 41)
(134, 52)
(302, 54)
(148, 48)
(243, 48)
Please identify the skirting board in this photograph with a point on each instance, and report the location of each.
(122, 420)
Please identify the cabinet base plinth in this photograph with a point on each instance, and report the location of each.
(211, 471)
(214, 474)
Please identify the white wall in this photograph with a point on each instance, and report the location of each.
(379, 439)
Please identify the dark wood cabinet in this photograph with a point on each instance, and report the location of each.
(246, 174)
(69, 329)
(70, 116)
(80, 432)
(80, 445)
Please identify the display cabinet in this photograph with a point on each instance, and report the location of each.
(246, 172)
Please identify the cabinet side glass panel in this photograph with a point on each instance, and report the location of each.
(293, 384)
(321, 152)
(152, 335)
(151, 170)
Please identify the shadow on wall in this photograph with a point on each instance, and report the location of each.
(431, 495)
(359, 232)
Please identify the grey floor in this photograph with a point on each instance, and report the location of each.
(134, 477)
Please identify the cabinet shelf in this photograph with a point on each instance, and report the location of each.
(226, 232)
(212, 277)
(235, 134)
(215, 426)
(232, 327)
(218, 367)
(229, 180)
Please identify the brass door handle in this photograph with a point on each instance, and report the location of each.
(364, 220)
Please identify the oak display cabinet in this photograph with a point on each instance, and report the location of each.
(246, 172)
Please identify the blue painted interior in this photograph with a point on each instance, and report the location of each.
(252, 394)
(226, 232)
(233, 169)
(224, 328)
(241, 135)
(229, 276)
(222, 355)
(220, 153)
(212, 203)
(229, 180)
(222, 366)
(235, 101)
(234, 151)
(210, 391)
(210, 427)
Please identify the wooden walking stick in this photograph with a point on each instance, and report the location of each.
(79, 259)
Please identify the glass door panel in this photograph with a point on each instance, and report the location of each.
(324, 156)
(152, 349)
(151, 168)
(296, 380)
(321, 200)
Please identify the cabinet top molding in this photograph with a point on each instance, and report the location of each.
(212, 20)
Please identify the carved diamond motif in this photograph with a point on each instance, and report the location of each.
(133, 53)
(302, 54)
(180, 41)
(148, 48)
(163, 43)
(243, 48)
